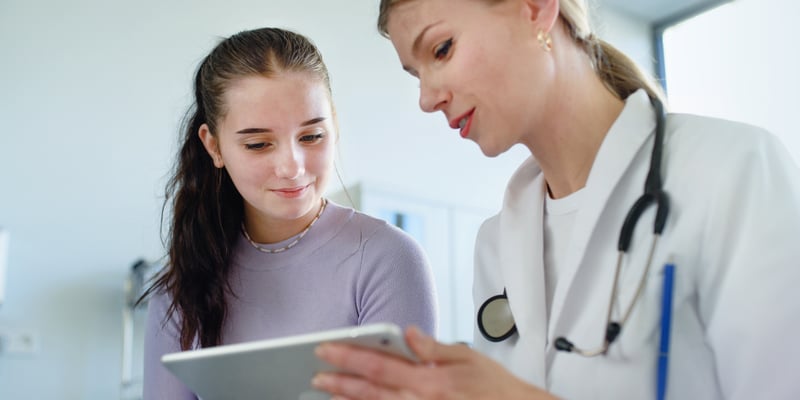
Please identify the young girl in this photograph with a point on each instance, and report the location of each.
(255, 250)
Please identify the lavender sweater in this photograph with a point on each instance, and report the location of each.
(349, 269)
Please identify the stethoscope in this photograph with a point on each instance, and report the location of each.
(495, 320)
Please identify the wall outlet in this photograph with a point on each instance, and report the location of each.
(18, 342)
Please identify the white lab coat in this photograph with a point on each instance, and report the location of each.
(733, 233)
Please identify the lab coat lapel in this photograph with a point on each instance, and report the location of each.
(521, 254)
(624, 140)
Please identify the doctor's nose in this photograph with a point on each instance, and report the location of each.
(432, 97)
(289, 163)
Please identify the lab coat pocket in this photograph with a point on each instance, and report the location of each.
(641, 330)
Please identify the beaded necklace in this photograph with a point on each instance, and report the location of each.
(290, 245)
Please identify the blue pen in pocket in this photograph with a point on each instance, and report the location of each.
(666, 320)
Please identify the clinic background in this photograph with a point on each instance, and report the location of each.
(92, 94)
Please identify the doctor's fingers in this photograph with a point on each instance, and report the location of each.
(350, 387)
(373, 375)
(376, 367)
(429, 350)
(458, 372)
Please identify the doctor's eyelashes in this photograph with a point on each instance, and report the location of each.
(443, 50)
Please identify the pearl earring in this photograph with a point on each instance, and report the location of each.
(545, 40)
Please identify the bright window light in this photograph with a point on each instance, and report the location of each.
(740, 62)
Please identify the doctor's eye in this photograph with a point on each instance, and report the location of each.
(441, 51)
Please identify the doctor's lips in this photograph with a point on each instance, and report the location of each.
(463, 123)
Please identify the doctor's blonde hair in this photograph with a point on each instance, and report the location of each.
(617, 71)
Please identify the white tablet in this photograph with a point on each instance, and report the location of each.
(275, 368)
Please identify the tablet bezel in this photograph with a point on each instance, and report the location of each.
(280, 368)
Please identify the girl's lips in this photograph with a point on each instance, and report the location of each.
(291, 192)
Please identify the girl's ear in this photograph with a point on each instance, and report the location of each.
(211, 144)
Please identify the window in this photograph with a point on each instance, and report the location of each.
(738, 61)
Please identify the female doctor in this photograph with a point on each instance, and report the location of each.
(637, 254)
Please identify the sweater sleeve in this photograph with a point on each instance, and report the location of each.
(395, 283)
(748, 287)
(161, 337)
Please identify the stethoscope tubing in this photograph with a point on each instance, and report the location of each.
(653, 195)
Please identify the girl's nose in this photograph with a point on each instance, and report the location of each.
(290, 163)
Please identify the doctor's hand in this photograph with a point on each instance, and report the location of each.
(445, 372)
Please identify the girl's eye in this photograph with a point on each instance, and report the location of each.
(443, 49)
(255, 146)
(312, 138)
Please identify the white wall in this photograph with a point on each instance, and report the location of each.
(91, 94)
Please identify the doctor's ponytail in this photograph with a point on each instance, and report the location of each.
(618, 72)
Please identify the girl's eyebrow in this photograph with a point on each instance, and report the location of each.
(312, 121)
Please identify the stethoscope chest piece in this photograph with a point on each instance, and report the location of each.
(495, 320)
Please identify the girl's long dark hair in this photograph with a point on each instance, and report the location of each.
(207, 209)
